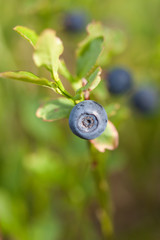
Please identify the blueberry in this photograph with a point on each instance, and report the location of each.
(145, 100)
(88, 119)
(119, 81)
(75, 22)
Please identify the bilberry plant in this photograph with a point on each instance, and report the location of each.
(87, 118)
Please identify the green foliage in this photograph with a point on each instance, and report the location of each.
(46, 187)
(109, 139)
(55, 109)
(47, 51)
(92, 82)
(28, 34)
(88, 55)
(114, 41)
(27, 77)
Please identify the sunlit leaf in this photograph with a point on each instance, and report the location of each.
(28, 34)
(27, 77)
(109, 139)
(47, 51)
(55, 109)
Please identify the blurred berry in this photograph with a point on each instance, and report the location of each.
(75, 22)
(145, 100)
(119, 81)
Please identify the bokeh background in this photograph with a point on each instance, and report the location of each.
(46, 189)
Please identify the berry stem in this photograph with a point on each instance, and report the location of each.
(103, 195)
(86, 92)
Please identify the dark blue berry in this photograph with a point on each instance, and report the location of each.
(145, 100)
(88, 119)
(75, 21)
(119, 81)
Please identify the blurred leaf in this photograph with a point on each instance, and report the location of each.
(114, 41)
(12, 215)
(55, 109)
(112, 109)
(28, 77)
(109, 139)
(39, 130)
(45, 167)
(122, 114)
(88, 55)
(92, 81)
(47, 51)
(28, 34)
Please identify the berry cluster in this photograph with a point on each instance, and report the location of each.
(120, 81)
(87, 119)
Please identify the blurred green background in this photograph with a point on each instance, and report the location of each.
(46, 189)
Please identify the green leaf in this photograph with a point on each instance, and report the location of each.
(109, 139)
(55, 109)
(88, 55)
(47, 51)
(92, 81)
(114, 41)
(27, 77)
(28, 34)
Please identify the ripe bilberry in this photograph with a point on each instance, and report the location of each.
(119, 81)
(75, 21)
(145, 100)
(88, 119)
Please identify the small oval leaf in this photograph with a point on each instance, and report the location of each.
(108, 140)
(27, 77)
(88, 55)
(28, 34)
(114, 41)
(48, 50)
(55, 109)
